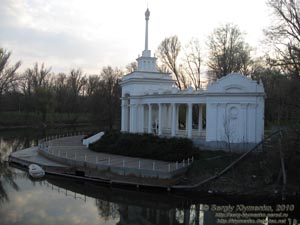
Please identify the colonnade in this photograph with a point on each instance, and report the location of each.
(159, 118)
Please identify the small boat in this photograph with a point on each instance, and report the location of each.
(36, 171)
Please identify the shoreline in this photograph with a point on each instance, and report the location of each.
(154, 184)
(138, 186)
(43, 126)
(242, 179)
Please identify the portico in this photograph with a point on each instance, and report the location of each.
(160, 115)
(230, 110)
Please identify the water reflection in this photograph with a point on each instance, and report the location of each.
(135, 207)
(14, 140)
(6, 176)
(61, 201)
(11, 141)
(43, 203)
(138, 207)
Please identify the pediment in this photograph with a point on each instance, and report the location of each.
(235, 83)
(234, 88)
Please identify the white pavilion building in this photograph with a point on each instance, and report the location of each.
(233, 105)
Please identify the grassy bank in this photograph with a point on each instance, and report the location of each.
(260, 173)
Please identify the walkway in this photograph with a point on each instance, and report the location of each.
(30, 155)
(70, 151)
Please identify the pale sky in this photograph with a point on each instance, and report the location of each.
(90, 34)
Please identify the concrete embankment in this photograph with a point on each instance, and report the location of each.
(66, 156)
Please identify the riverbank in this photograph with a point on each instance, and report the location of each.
(258, 174)
(248, 178)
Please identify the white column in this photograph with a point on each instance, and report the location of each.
(177, 116)
(159, 119)
(221, 124)
(163, 119)
(141, 121)
(211, 122)
(173, 126)
(244, 135)
(169, 117)
(200, 120)
(186, 119)
(190, 120)
(123, 116)
(131, 118)
(149, 118)
(135, 118)
(145, 119)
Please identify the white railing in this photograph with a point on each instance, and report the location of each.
(81, 158)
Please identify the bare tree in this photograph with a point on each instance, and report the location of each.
(76, 81)
(193, 62)
(228, 51)
(8, 74)
(60, 92)
(131, 67)
(168, 52)
(284, 35)
(111, 93)
(75, 92)
(37, 89)
(92, 84)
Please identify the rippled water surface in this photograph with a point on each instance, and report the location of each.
(59, 201)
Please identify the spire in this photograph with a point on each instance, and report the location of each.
(146, 52)
(147, 15)
(146, 62)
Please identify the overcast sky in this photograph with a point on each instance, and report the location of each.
(90, 34)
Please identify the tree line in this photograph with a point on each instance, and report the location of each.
(227, 52)
(40, 91)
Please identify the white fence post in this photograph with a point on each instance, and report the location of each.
(109, 161)
(153, 167)
(139, 164)
(123, 163)
(169, 167)
(176, 165)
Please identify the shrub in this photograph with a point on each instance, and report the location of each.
(145, 146)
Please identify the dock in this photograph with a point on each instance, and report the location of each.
(65, 155)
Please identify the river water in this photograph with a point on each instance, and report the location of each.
(55, 200)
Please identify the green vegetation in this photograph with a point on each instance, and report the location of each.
(145, 146)
(210, 162)
(22, 119)
(258, 173)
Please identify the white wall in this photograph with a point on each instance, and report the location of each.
(235, 110)
(235, 105)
